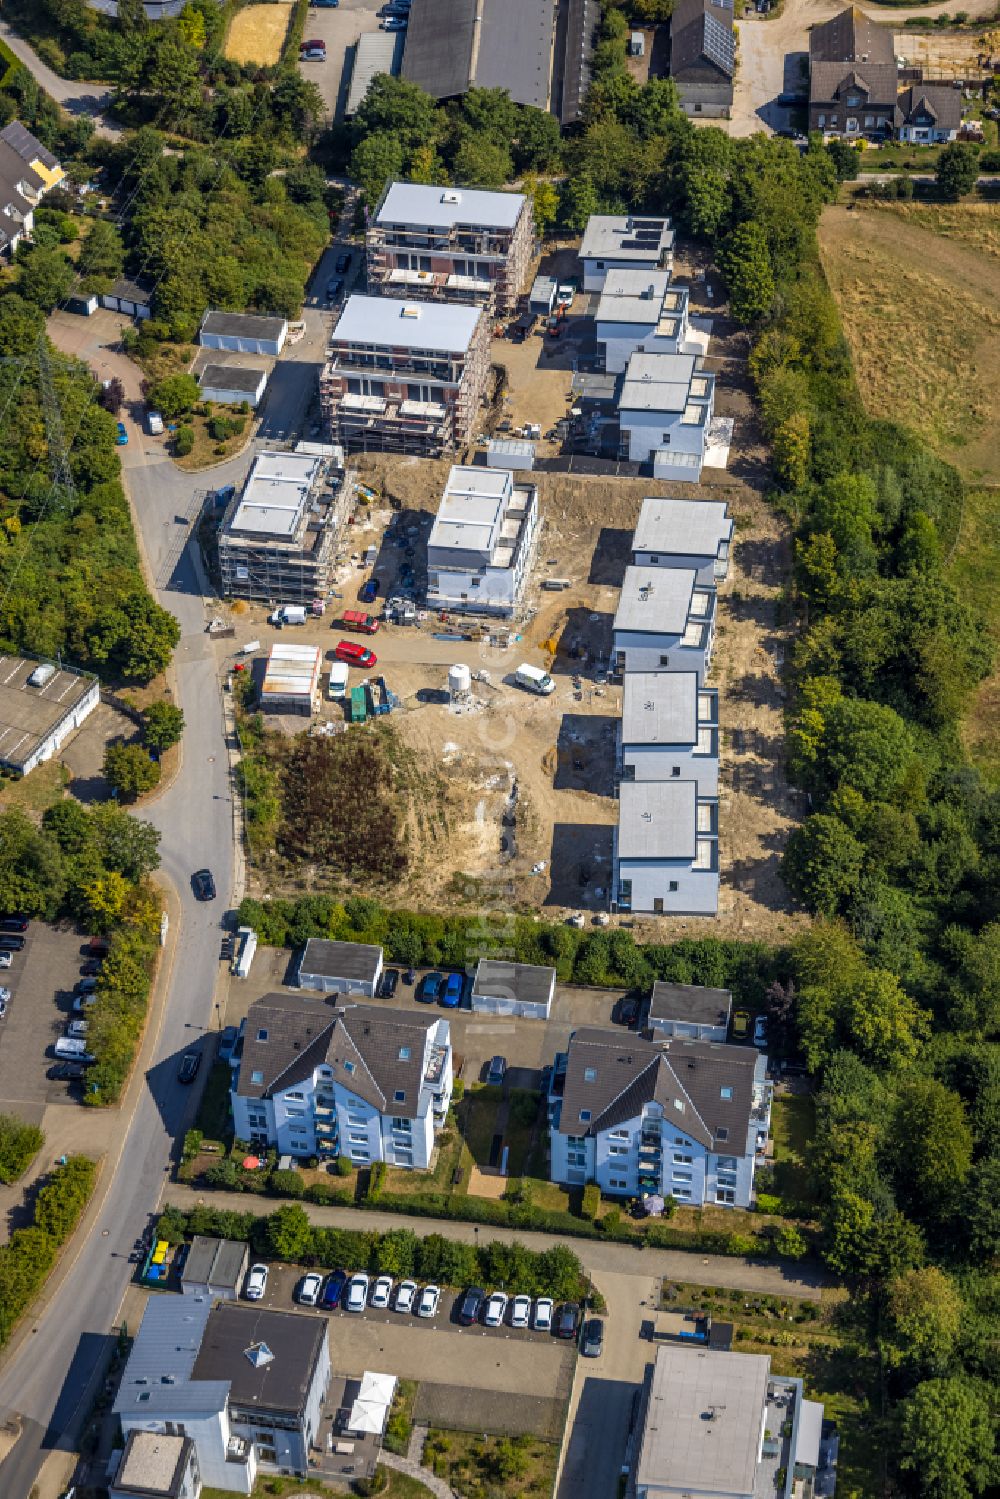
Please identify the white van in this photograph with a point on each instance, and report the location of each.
(77, 1028)
(533, 679)
(340, 674)
(72, 1049)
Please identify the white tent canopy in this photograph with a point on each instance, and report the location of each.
(367, 1415)
(379, 1388)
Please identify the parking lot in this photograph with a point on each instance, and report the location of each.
(41, 980)
(338, 28)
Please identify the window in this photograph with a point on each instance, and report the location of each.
(349, 1067)
(404, 1053)
(664, 660)
(653, 559)
(590, 1074)
(672, 887)
(256, 1077)
(679, 1105)
(405, 1126)
(666, 438)
(726, 1196)
(681, 1192)
(675, 770)
(399, 1096)
(584, 1116)
(617, 1150)
(262, 1035)
(681, 1176)
(619, 1134)
(295, 1113)
(359, 1155)
(722, 1134)
(358, 1139)
(821, 120)
(726, 1093)
(727, 1163)
(619, 1182)
(295, 1097)
(679, 1140)
(682, 1160)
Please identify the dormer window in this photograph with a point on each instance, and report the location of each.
(590, 1074)
(584, 1116)
(257, 1077)
(262, 1035)
(726, 1093)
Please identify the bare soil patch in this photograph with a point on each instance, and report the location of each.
(257, 34)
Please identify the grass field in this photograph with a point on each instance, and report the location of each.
(38, 790)
(793, 1123)
(920, 303)
(257, 33)
(975, 571)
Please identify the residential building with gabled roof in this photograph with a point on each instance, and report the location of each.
(703, 56)
(852, 76)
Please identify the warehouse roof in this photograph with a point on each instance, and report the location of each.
(687, 528)
(658, 820)
(243, 325)
(28, 715)
(444, 207)
(292, 671)
(703, 1421)
(656, 600)
(231, 377)
(515, 49)
(660, 707)
(530, 983)
(376, 52)
(437, 327)
(341, 960)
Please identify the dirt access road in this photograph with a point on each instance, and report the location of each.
(771, 49)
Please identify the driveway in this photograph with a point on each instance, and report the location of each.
(340, 29)
(75, 97)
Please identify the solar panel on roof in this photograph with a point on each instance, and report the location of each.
(719, 43)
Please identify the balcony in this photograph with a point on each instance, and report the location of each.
(238, 1450)
(436, 1068)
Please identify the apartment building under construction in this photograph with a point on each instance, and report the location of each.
(405, 377)
(451, 244)
(278, 536)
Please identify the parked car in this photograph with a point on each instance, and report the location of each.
(741, 1024)
(495, 1308)
(430, 1298)
(6, 959)
(354, 654)
(309, 1287)
(593, 1338)
(388, 982)
(256, 1282)
(66, 1072)
(520, 1311)
(85, 986)
(394, 23)
(368, 592)
(760, 1031)
(11, 942)
(324, 4)
(334, 1289)
(410, 976)
(188, 1070)
(82, 1002)
(5, 999)
(204, 884)
(542, 1321)
(121, 436)
(227, 1042)
(429, 988)
(91, 968)
(382, 1292)
(471, 1306)
(405, 1294)
(312, 52)
(452, 996)
(496, 1072)
(626, 1011)
(565, 292)
(334, 289)
(13, 924)
(568, 1320)
(357, 1293)
(343, 263)
(75, 1028)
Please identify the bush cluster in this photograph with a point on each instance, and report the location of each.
(25, 1261)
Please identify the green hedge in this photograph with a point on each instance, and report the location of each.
(25, 1261)
(118, 1014)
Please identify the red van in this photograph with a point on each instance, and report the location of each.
(357, 619)
(354, 654)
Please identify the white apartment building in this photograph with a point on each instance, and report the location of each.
(686, 1119)
(639, 310)
(366, 1082)
(665, 850)
(618, 242)
(664, 409)
(482, 543)
(665, 621)
(669, 730)
(684, 533)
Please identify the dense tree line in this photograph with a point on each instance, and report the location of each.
(27, 1258)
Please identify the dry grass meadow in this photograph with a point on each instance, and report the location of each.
(257, 34)
(919, 293)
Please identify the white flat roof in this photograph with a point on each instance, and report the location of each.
(438, 327)
(658, 820)
(275, 494)
(691, 528)
(656, 600)
(291, 671)
(657, 382)
(660, 707)
(704, 1422)
(636, 237)
(416, 203)
(632, 296)
(470, 516)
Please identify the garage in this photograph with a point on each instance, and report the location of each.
(243, 333)
(229, 386)
(133, 298)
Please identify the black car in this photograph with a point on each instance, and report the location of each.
(10, 942)
(568, 1321)
(410, 976)
(188, 1070)
(13, 924)
(334, 289)
(91, 968)
(66, 1072)
(204, 885)
(388, 982)
(343, 264)
(592, 1344)
(496, 1072)
(626, 1011)
(471, 1306)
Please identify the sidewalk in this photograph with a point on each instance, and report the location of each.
(595, 1255)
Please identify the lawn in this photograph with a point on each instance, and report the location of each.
(503, 1467)
(257, 34)
(478, 1114)
(793, 1123)
(905, 157)
(213, 1112)
(206, 451)
(400, 1486)
(921, 313)
(37, 791)
(975, 571)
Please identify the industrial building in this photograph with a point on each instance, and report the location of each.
(405, 377)
(451, 243)
(41, 707)
(482, 542)
(375, 52)
(669, 730)
(455, 45)
(672, 532)
(665, 850)
(619, 242)
(243, 333)
(664, 408)
(665, 621)
(291, 678)
(277, 538)
(230, 385)
(639, 311)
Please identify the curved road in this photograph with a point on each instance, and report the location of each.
(65, 91)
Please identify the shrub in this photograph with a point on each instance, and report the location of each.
(376, 1181)
(591, 1204)
(183, 441)
(768, 1203)
(344, 1166)
(19, 1144)
(192, 1144)
(287, 1183)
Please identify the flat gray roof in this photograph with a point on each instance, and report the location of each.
(440, 40)
(690, 528)
(704, 1421)
(342, 960)
(690, 1002)
(515, 49)
(28, 715)
(231, 377)
(632, 296)
(214, 1262)
(636, 237)
(376, 52)
(434, 327)
(531, 983)
(471, 510)
(658, 820)
(656, 600)
(282, 1383)
(243, 325)
(153, 1464)
(158, 1373)
(660, 707)
(275, 494)
(417, 203)
(657, 382)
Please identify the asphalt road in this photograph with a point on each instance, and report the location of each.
(51, 1377)
(75, 97)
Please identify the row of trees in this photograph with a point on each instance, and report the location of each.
(30, 1253)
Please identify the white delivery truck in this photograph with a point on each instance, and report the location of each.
(533, 679)
(288, 614)
(339, 676)
(154, 422)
